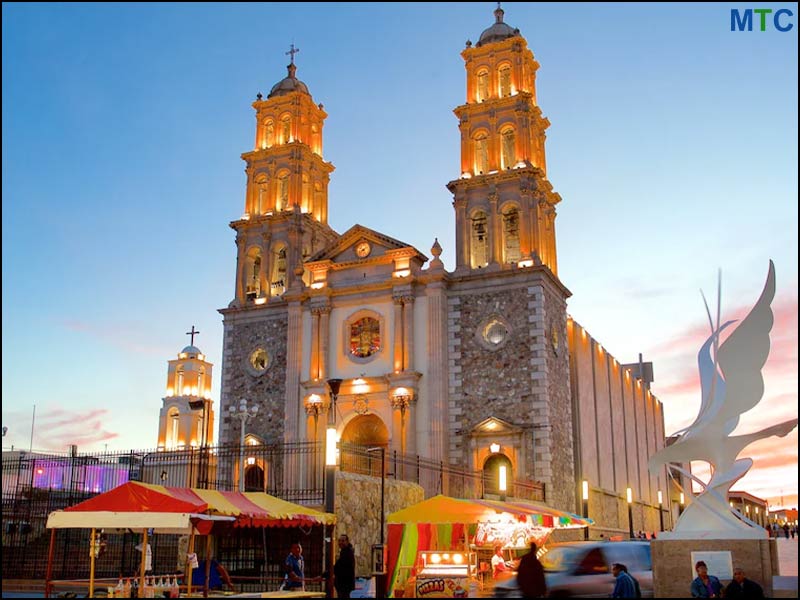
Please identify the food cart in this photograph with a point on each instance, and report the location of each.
(421, 535)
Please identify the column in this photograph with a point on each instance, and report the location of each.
(324, 340)
(398, 334)
(313, 367)
(408, 333)
(437, 380)
(524, 224)
(240, 262)
(495, 237)
(462, 236)
(294, 335)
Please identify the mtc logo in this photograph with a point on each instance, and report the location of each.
(743, 20)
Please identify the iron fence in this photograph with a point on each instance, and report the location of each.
(35, 484)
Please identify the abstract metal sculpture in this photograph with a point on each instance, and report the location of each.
(731, 384)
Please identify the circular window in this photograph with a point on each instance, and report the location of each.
(258, 361)
(493, 333)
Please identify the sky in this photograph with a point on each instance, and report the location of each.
(673, 145)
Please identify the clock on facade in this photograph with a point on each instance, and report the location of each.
(363, 249)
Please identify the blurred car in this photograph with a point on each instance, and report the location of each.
(583, 569)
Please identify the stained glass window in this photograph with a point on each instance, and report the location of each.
(365, 337)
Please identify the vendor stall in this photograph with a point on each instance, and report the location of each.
(158, 509)
(421, 535)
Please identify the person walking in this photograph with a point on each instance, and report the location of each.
(742, 587)
(624, 584)
(705, 585)
(530, 575)
(344, 570)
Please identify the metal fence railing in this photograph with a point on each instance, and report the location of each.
(35, 484)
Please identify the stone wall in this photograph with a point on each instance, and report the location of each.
(484, 382)
(358, 511)
(557, 414)
(244, 332)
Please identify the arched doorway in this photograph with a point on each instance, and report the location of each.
(254, 479)
(491, 472)
(363, 433)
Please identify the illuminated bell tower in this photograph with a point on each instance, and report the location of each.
(285, 216)
(505, 207)
(187, 418)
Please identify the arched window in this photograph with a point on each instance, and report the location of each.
(483, 85)
(306, 193)
(505, 81)
(173, 427)
(491, 473)
(252, 273)
(283, 191)
(507, 150)
(511, 235)
(269, 134)
(286, 129)
(479, 240)
(278, 283)
(481, 154)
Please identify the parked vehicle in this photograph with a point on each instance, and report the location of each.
(583, 569)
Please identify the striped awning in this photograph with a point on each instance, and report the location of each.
(250, 509)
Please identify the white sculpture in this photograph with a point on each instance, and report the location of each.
(731, 384)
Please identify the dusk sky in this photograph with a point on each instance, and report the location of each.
(673, 145)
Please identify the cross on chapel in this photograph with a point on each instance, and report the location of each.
(192, 333)
(292, 51)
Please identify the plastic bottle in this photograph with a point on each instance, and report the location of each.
(126, 590)
(176, 590)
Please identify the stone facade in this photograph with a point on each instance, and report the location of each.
(358, 511)
(266, 329)
(480, 367)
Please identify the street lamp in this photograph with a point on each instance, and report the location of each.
(629, 497)
(585, 498)
(680, 505)
(245, 414)
(661, 510)
(330, 469)
(502, 485)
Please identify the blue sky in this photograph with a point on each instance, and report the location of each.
(673, 145)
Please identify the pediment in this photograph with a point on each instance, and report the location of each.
(496, 427)
(374, 245)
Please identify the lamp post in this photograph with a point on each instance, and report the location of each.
(585, 499)
(629, 497)
(502, 483)
(680, 505)
(661, 510)
(330, 471)
(380, 578)
(245, 414)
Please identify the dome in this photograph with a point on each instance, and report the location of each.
(289, 85)
(497, 32)
(191, 350)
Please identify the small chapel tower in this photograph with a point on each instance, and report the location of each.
(505, 207)
(285, 216)
(187, 418)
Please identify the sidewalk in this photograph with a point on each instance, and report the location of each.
(785, 585)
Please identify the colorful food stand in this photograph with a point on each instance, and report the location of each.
(458, 528)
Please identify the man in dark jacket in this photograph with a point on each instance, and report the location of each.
(741, 587)
(344, 571)
(530, 575)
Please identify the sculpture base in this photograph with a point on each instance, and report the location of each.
(673, 568)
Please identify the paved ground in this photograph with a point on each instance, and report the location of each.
(787, 556)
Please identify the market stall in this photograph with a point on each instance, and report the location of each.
(160, 509)
(421, 535)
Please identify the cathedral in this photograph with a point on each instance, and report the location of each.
(476, 367)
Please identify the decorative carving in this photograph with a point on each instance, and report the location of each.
(401, 401)
(361, 404)
(731, 384)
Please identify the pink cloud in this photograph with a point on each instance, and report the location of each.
(59, 428)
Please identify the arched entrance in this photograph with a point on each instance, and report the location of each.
(359, 435)
(491, 474)
(254, 479)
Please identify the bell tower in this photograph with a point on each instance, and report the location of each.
(505, 207)
(285, 216)
(186, 418)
